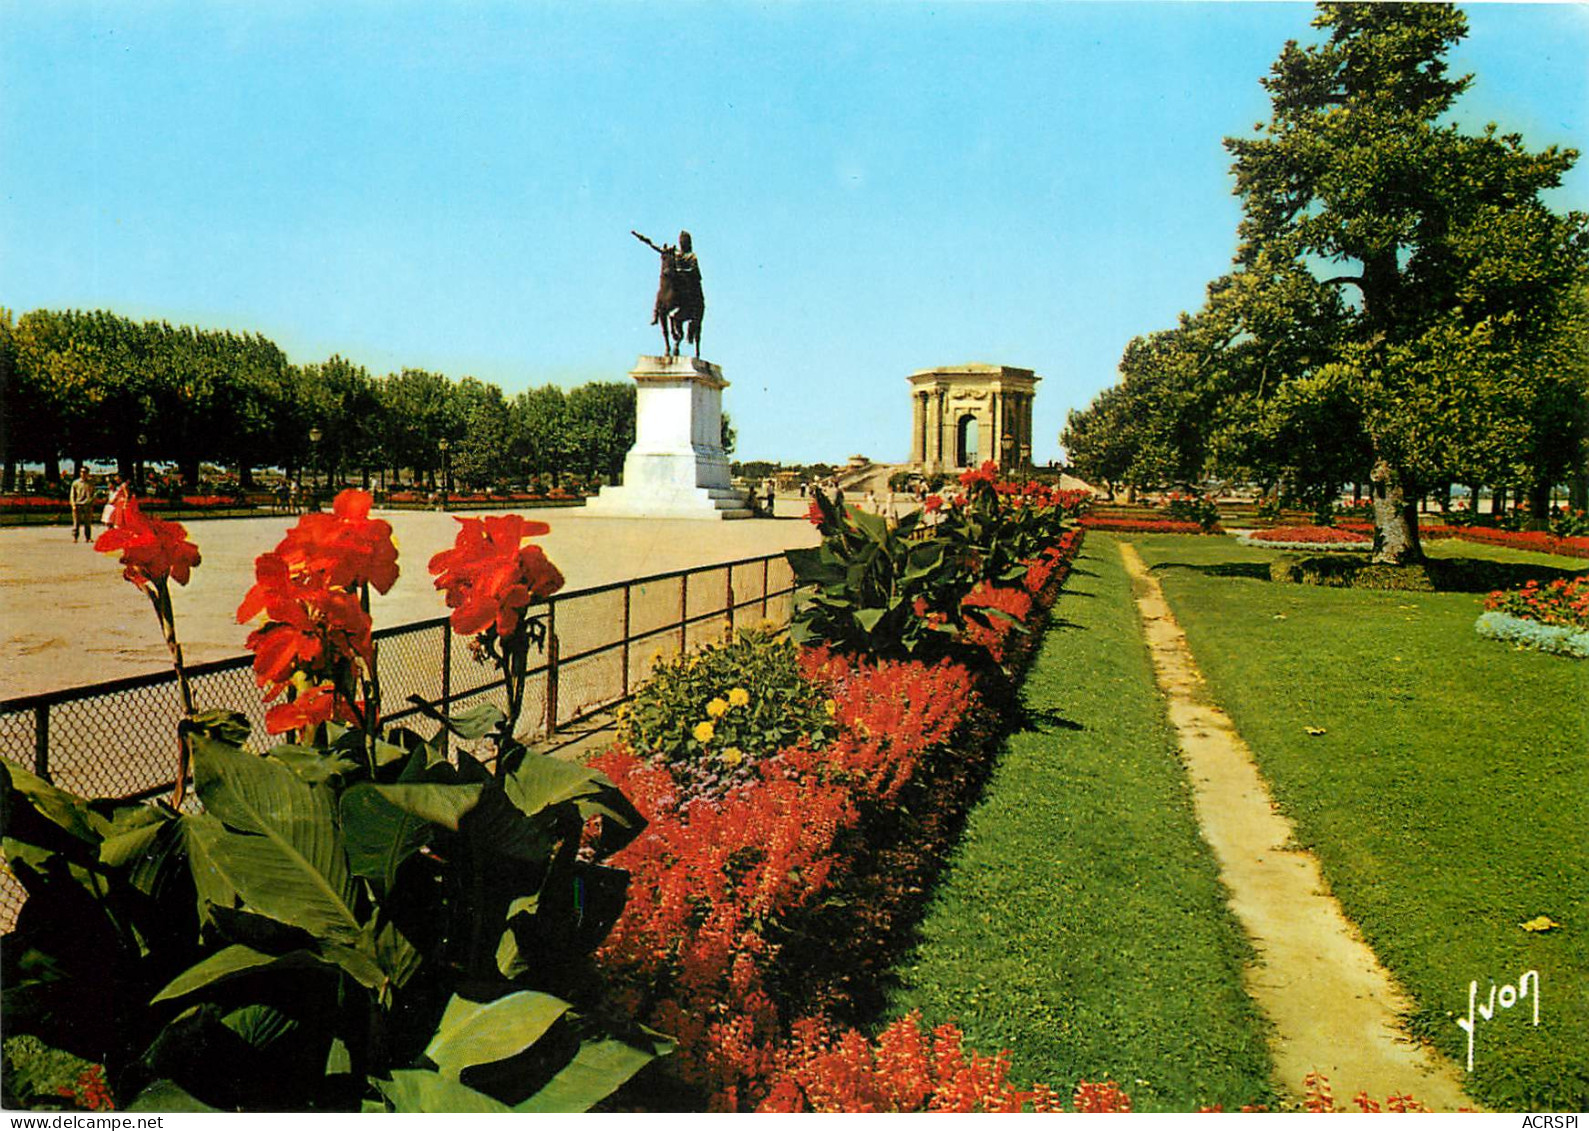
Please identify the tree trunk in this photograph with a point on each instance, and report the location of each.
(1539, 506)
(52, 468)
(8, 475)
(1395, 518)
(1578, 490)
(190, 474)
(245, 477)
(1498, 502)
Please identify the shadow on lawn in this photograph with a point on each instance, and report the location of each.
(1438, 575)
(1256, 571)
(1044, 718)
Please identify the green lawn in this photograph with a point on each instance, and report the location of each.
(1448, 799)
(1081, 923)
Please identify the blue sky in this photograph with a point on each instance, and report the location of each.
(873, 188)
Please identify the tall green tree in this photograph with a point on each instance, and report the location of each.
(481, 455)
(1454, 277)
(541, 444)
(600, 419)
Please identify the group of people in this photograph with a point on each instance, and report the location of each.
(81, 498)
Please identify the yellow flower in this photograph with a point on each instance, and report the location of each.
(831, 707)
(717, 708)
(733, 755)
(738, 697)
(703, 732)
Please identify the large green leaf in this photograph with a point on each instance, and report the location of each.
(274, 841)
(232, 962)
(379, 835)
(474, 1033)
(64, 810)
(596, 1071)
(164, 1095)
(416, 1090)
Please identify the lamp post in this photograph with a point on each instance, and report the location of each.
(137, 467)
(315, 436)
(1008, 446)
(443, 445)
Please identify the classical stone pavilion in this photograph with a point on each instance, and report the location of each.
(965, 415)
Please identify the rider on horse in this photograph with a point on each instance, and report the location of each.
(679, 297)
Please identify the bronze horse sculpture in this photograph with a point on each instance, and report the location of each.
(680, 305)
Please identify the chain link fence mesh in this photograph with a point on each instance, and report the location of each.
(120, 741)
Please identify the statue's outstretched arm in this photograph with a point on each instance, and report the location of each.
(645, 241)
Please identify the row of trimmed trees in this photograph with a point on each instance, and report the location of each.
(1404, 311)
(92, 385)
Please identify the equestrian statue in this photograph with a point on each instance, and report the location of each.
(680, 306)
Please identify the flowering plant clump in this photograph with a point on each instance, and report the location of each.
(898, 589)
(372, 894)
(313, 592)
(907, 1069)
(1196, 508)
(719, 886)
(712, 716)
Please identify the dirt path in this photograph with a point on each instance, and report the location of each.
(1333, 1006)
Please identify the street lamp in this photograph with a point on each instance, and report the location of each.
(442, 445)
(315, 436)
(137, 467)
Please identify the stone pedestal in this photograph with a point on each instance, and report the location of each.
(677, 467)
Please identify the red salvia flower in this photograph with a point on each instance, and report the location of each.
(152, 549)
(490, 576)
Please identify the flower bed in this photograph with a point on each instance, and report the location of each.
(1144, 525)
(1525, 633)
(1539, 541)
(1326, 538)
(757, 918)
(37, 503)
(1549, 618)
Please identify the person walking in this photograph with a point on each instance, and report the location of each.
(82, 501)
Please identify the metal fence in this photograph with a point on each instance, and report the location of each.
(117, 739)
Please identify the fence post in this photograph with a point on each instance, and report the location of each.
(625, 684)
(684, 611)
(729, 585)
(766, 564)
(41, 741)
(552, 650)
(446, 682)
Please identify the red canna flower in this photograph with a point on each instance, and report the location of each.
(346, 547)
(309, 626)
(933, 503)
(814, 513)
(313, 706)
(152, 549)
(491, 577)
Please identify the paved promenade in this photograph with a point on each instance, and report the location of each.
(67, 617)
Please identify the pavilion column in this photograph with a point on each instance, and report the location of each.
(918, 429)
